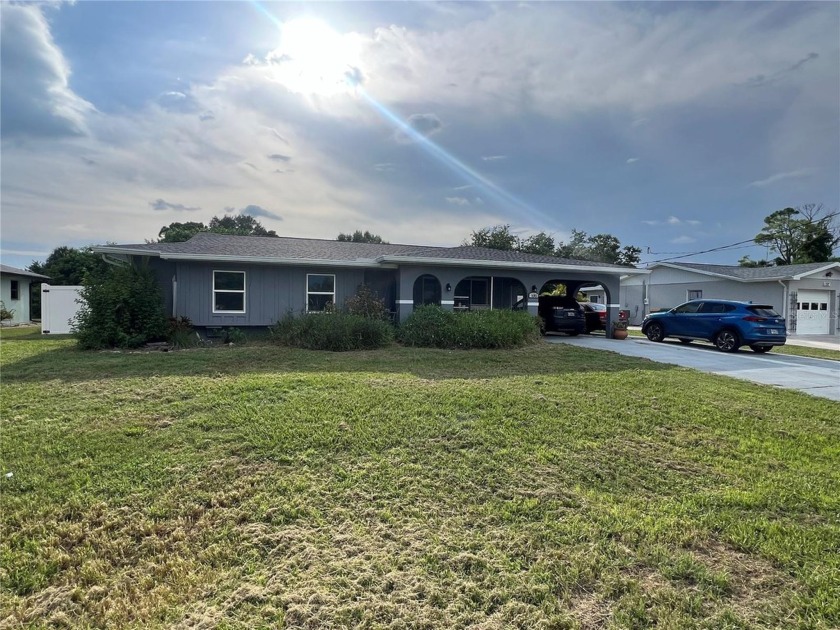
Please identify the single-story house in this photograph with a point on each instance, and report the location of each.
(15, 291)
(806, 295)
(222, 280)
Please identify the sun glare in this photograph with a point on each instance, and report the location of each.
(314, 59)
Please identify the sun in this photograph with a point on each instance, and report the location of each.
(315, 59)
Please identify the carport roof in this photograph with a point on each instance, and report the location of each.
(754, 274)
(286, 250)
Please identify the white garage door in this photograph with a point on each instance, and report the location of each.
(812, 311)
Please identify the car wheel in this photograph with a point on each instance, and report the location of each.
(542, 326)
(760, 349)
(727, 341)
(686, 340)
(655, 332)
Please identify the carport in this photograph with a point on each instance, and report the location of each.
(475, 278)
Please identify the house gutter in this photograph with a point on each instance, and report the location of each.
(271, 260)
(461, 262)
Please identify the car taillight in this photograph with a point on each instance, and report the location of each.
(754, 318)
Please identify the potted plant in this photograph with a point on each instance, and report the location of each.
(619, 329)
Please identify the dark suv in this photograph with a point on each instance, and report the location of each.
(562, 314)
(726, 323)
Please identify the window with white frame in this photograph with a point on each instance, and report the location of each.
(320, 292)
(228, 291)
(15, 290)
(695, 294)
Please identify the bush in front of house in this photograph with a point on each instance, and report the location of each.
(433, 327)
(122, 308)
(367, 303)
(337, 331)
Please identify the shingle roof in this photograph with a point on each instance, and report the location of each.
(208, 245)
(21, 272)
(784, 272)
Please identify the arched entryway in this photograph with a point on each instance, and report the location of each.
(426, 290)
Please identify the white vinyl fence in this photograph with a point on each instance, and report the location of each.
(59, 306)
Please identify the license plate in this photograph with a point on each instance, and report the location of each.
(773, 332)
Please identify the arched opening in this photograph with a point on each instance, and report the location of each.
(566, 306)
(475, 293)
(426, 290)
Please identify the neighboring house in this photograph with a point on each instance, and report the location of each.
(14, 291)
(222, 280)
(806, 295)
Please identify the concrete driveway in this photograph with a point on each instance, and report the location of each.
(819, 377)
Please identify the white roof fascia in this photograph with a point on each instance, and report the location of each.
(706, 273)
(828, 267)
(244, 259)
(314, 262)
(105, 249)
(462, 262)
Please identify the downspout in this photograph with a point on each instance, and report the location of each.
(784, 303)
(174, 295)
(491, 293)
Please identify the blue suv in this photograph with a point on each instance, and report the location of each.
(726, 323)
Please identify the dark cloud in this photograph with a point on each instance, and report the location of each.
(259, 211)
(35, 99)
(354, 76)
(161, 205)
(421, 125)
(279, 157)
(762, 79)
(427, 124)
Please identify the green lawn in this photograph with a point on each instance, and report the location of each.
(548, 487)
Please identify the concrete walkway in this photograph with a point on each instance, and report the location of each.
(818, 377)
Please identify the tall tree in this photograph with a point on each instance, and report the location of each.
(68, 266)
(541, 244)
(599, 248)
(360, 237)
(746, 261)
(239, 225)
(496, 237)
(180, 232)
(800, 235)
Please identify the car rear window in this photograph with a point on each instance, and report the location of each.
(763, 311)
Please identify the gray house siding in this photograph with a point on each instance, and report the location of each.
(270, 291)
(671, 295)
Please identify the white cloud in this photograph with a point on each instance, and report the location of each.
(683, 240)
(493, 158)
(672, 220)
(35, 97)
(632, 160)
(778, 177)
(458, 201)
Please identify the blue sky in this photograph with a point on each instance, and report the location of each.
(677, 127)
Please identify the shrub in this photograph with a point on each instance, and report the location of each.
(6, 313)
(366, 303)
(121, 307)
(432, 327)
(180, 332)
(338, 331)
(234, 335)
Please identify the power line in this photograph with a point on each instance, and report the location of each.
(706, 251)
